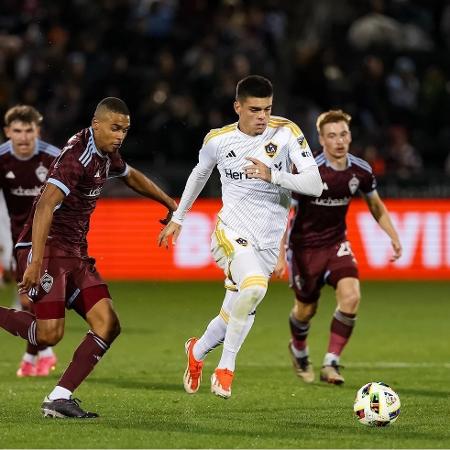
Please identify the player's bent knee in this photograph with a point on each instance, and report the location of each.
(49, 337)
(350, 303)
(304, 312)
(107, 326)
(251, 296)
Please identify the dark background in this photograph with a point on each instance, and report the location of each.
(176, 64)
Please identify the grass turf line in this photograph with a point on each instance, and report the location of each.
(138, 391)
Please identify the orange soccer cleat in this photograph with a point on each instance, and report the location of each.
(221, 381)
(193, 373)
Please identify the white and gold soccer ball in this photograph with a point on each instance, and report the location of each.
(376, 404)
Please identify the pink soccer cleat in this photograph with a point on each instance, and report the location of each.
(26, 369)
(45, 365)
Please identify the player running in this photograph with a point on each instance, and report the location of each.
(254, 157)
(24, 163)
(53, 248)
(319, 252)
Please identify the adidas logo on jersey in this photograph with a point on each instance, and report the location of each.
(97, 175)
(10, 175)
(231, 154)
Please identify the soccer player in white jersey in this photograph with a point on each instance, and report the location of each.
(254, 157)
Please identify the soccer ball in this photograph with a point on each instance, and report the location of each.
(376, 405)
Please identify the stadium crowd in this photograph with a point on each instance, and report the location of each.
(176, 63)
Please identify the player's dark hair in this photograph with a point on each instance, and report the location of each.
(332, 116)
(113, 104)
(23, 113)
(254, 86)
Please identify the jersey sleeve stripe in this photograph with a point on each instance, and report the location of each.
(360, 163)
(287, 122)
(5, 148)
(214, 133)
(84, 154)
(123, 174)
(51, 150)
(61, 186)
(276, 123)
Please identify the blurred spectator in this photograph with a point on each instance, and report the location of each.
(403, 90)
(403, 159)
(373, 156)
(177, 63)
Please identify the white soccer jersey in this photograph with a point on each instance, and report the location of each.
(253, 208)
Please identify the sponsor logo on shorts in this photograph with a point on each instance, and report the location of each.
(242, 242)
(46, 282)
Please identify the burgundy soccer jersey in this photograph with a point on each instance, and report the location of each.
(21, 180)
(80, 172)
(320, 222)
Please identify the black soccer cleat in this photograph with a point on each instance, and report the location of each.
(65, 409)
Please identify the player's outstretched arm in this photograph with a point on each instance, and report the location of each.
(381, 215)
(141, 184)
(50, 199)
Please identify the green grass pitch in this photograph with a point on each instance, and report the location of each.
(402, 338)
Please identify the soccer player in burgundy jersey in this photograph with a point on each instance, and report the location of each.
(319, 252)
(24, 163)
(53, 248)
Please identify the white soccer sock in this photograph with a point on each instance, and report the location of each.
(212, 337)
(300, 353)
(27, 357)
(243, 306)
(60, 392)
(46, 352)
(329, 358)
(228, 358)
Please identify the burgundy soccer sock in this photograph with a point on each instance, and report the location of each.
(341, 329)
(299, 332)
(31, 348)
(19, 323)
(86, 356)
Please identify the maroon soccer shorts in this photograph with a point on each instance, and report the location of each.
(66, 282)
(311, 268)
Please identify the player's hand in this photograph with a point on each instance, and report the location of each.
(258, 170)
(171, 229)
(280, 268)
(30, 278)
(397, 247)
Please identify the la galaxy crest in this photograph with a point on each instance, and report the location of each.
(41, 173)
(271, 149)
